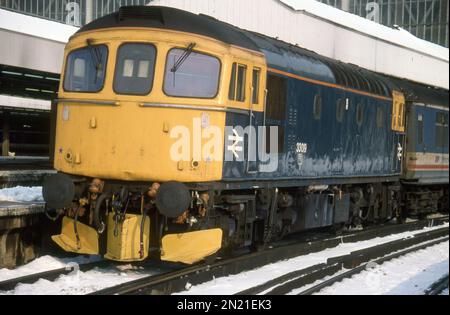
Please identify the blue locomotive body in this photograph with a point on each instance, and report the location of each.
(334, 122)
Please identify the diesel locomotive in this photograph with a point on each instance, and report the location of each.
(178, 135)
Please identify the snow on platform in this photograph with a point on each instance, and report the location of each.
(18, 201)
(21, 194)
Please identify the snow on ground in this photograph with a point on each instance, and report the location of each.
(21, 194)
(411, 274)
(90, 281)
(236, 283)
(76, 282)
(79, 283)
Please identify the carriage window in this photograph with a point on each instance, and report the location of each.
(255, 85)
(196, 76)
(340, 109)
(359, 114)
(441, 130)
(317, 110)
(85, 69)
(380, 117)
(134, 69)
(420, 129)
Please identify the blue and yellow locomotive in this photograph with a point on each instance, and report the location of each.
(179, 134)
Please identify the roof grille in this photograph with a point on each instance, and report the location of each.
(141, 12)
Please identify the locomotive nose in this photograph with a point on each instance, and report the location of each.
(58, 191)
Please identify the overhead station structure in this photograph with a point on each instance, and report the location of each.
(31, 56)
(333, 33)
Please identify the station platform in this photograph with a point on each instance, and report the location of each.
(17, 209)
(20, 235)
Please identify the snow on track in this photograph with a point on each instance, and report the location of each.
(75, 283)
(411, 274)
(236, 283)
(79, 283)
(96, 279)
(44, 263)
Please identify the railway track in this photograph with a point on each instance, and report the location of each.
(176, 279)
(438, 287)
(356, 262)
(51, 275)
(179, 280)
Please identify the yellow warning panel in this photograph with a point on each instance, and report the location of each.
(192, 247)
(398, 111)
(86, 243)
(124, 238)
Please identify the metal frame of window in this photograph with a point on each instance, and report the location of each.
(200, 53)
(104, 71)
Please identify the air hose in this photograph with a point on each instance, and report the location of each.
(144, 212)
(98, 222)
(75, 228)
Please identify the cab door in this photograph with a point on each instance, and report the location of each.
(398, 126)
(246, 96)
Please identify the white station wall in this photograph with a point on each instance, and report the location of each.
(416, 60)
(32, 43)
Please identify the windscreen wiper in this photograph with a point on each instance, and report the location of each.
(96, 54)
(184, 56)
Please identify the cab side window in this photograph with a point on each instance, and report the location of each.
(237, 82)
(255, 85)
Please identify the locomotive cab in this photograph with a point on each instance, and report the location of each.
(136, 111)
